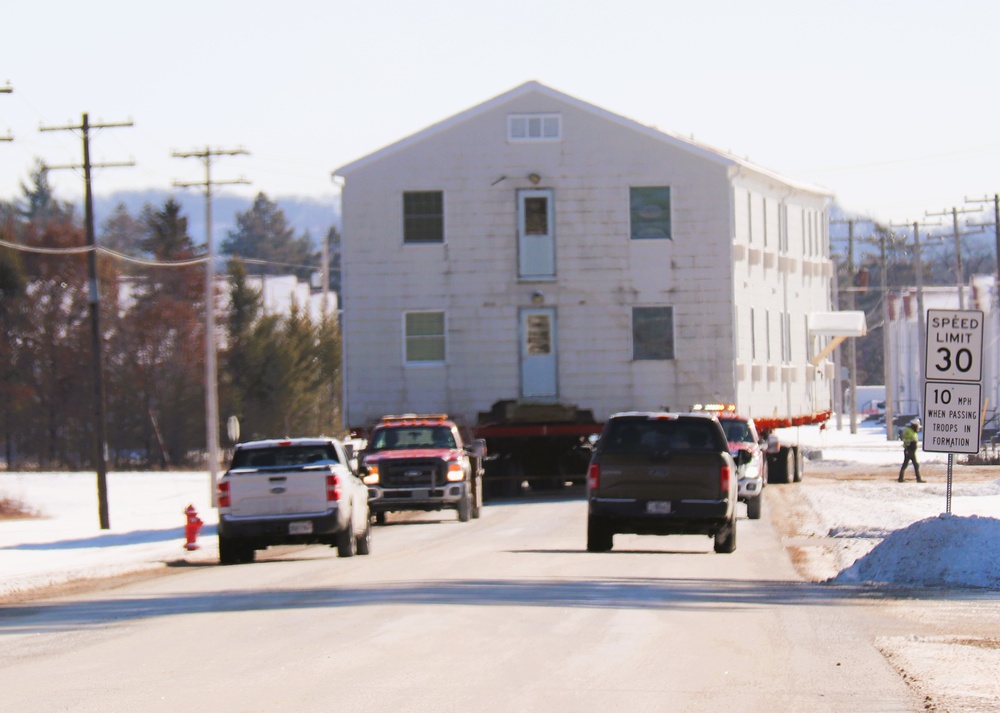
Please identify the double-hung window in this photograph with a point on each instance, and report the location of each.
(652, 333)
(424, 337)
(649, 213)
(423, 217)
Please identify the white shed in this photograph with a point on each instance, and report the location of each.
(537, 248)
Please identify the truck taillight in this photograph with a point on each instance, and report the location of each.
(725, 475)
(593, 477)
(333, 491)
(223, 494)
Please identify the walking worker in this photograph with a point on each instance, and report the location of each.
(910, 449)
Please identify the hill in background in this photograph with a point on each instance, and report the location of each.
(315, 215)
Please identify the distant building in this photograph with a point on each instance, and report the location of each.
(907, 346)
(539, 248)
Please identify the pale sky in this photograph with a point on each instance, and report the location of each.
(891, 104)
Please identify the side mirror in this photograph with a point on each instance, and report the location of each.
(742, 457)
(477, 449)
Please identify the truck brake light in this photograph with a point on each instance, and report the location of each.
(725, 476)
(223, 488)
(333, 491)
(593, 477)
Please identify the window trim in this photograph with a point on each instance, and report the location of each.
(412, 241)
(541, 138)
(443, 336)
(673, 333)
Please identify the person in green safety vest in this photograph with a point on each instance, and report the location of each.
(910, 449)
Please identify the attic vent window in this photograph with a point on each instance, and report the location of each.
(534, 127)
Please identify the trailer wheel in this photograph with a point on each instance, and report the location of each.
(800, 464)
(781, 466)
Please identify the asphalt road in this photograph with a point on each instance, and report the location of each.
(505, 613)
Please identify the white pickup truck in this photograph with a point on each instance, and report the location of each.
(291, 491)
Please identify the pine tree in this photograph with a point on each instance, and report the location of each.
(264, 240)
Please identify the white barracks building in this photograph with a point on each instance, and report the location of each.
(538, 248)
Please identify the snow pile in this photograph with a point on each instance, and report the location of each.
(942, 551)
(897, 533)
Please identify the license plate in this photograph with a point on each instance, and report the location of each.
(300, 528)
(658, 507)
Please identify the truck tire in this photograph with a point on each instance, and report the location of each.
(229, 551)
(754, 507)
(477, 504)
(363, 545)
(725, 539)
(347, 545)
(600, 537)
(380, 519)
(465, 508)
(800, 464)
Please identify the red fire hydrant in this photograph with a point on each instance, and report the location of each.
(194, 524)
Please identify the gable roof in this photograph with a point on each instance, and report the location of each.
(708, 153)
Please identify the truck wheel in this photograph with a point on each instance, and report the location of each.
(725, 539)
(465, 508)
(347, 546)
(229, 551)
(754, 506)
(600, 538)
(380, 519)
(363, 544)
(800, 464)
(477, 505)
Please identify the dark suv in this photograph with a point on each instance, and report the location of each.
(655, 473)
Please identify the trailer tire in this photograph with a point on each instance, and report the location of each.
(781, 466)
(800, 464)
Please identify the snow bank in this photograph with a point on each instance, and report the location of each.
(942, 551)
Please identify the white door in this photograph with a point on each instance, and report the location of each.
(536, 234)
(538, 353)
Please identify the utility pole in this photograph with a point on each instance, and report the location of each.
(959, 272)
(211, 369)
(101, 430)
(852, 344)
(996, 219)
(890, 382)
(6, 90)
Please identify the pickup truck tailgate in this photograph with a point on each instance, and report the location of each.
(260, 493)
(673, 476)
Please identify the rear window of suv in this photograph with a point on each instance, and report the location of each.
(648, 436)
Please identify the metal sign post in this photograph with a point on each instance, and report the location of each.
(953, 362)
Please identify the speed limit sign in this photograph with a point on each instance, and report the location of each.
(954, 345)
